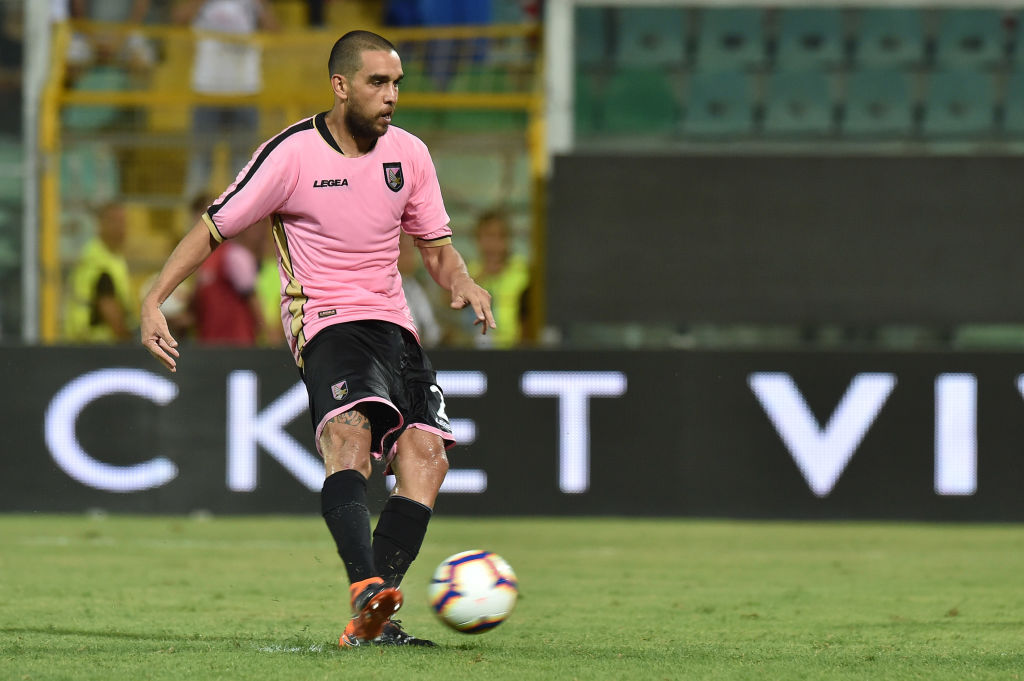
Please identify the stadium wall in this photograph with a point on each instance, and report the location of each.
(752, 434)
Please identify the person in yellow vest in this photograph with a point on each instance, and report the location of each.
(101, 301)
(507, 276)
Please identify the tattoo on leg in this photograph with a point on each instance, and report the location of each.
(352, 418)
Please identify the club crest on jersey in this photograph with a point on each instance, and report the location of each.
(340, 390)
(393, 176)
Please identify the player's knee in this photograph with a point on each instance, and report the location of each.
(424, 452)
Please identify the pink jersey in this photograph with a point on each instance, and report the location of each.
(337, 222)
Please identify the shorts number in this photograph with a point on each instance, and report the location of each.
(440, 396)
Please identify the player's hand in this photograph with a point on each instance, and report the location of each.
(466, 292)
(157, 338)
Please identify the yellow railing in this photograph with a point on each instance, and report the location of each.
(295, 84)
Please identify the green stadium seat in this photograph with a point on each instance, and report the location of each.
(959, 103)
(96, 79)
(719, 104)
(483, 120)
(12, 171)
(482, 80)
(798, 102)
(521, 191)
(1013, 105)
(639, 101)
(970, 37)
(730, 38)
(879, 102)
(591, 35)
(989, 336)
(889, 37)
(416, 120)
(649, 36)
(1017, 57)
(586, 103)
(471, 179)
(810, 38)
(415, 78)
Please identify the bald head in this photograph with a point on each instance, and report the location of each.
(347, 54)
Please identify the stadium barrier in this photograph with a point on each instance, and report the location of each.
(754, 434)
(785, 239)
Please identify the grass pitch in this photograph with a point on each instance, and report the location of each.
(263, 598)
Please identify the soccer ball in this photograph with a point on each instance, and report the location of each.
(473, 591)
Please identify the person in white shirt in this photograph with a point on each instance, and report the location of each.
(223, 67)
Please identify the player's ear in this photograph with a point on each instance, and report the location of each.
(339, 84)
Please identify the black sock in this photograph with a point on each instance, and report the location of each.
(398, 537)
(343, 503)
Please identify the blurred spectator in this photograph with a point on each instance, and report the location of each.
(316, 11)
(128, 49)
(268, 289)
(443, 57)
(177, 308)
(433, 13)
(101, 303)
(415, 294)
(505, 274)
(106, 48)
(225, 305)
(226, 68)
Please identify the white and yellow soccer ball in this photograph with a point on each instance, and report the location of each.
(473, 591)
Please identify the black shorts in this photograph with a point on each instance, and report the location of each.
(380, 367)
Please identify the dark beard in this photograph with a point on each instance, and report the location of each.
(361, 127)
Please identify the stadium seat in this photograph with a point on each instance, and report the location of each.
(640, 101)
(416, 120)
(1017, 55)
(958, 103)
(879, 102)
(719, 104)
(810, 38)
(481, 80)
(798, 102)
(99, 79)
(989, 336)
(586, 103)
(1013, 105)
(730, 38)
(591, 35)
(650, 36)
(970, 37)
(522, 181)
(889, 37)
(471, 179)
(416, 80)
(12, 170)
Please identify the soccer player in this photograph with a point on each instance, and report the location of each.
(340, 187)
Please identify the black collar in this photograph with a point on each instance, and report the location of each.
(320, 123)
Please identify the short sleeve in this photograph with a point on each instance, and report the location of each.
(261, 189)
(424, 216)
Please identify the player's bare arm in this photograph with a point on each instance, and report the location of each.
(448, 269)
(188, 255)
